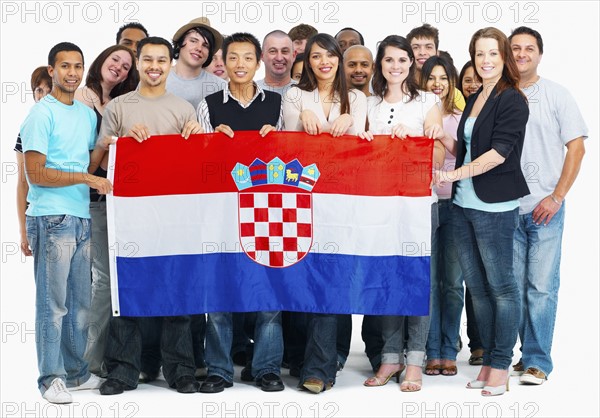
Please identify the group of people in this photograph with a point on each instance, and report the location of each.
(490, 225)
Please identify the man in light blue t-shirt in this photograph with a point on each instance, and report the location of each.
(57, 136)
(554, 124)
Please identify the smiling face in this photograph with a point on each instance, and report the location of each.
(66, 73)
(395, 65)
(437, 82)
(423, 48)
(488, 61)
(323, 63)
(278, 56)
(470, 83)
(241, 62)
(154, 65)
(217, 65)
(194, 50)
(116, 67)
(358, 66)
(527, 54)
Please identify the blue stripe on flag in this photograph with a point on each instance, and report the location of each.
(231, 282)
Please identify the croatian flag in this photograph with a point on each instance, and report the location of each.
(287, 222)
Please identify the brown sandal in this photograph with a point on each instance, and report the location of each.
(449, 370)
(433, 369)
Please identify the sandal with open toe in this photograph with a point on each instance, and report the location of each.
(416, 385)
(382, 380)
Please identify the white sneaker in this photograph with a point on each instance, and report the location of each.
(57, 392)
(93, 382)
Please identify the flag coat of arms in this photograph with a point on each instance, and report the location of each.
(286, 222)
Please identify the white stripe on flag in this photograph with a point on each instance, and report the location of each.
(208, 223)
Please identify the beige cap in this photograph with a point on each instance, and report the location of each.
(202, 22)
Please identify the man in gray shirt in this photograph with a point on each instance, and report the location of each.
(554, 124)
(194, 45)
(278, 56)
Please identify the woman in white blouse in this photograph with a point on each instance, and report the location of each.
(399, 109)
(319, 103)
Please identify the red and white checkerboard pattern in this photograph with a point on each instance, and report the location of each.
(276, 228)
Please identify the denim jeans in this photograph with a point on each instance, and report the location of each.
(124, 347)
(485, 243)
(371, 334)
(320, 355)
(61, 264)
(294, 326)
(268, 344)
(472, 331)
(446, 289)
(537, 269)
(393, 329)
(198, 330)
(344, 337)
(100, 311)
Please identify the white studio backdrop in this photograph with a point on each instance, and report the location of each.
(570, 32)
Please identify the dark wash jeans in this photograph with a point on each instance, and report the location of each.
(124, 347)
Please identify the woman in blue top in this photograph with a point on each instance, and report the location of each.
(487, 183)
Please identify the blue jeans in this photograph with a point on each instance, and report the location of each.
(62, 269)
(472, 330)
(371, 334)
(344, 337)
(320, 355)
(394, 328)
(485, 245)
(537, 269)
(100, 311)
(124, 347)
(268, 344)
(446, 288)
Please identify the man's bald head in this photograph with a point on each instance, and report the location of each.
(358, 67)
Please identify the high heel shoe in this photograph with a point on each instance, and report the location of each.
(495, 390)
(476, 384)
(377, 380)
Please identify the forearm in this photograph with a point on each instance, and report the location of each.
(22, 190)
(449, 143)
(570, 170)
(480, 165)
(51, 177)
(96, 158)
(439, 154)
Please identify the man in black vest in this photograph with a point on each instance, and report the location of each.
(242, 106)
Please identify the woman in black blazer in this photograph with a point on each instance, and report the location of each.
(488, 182)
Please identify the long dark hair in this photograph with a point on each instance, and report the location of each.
(94, 77)
(410, 85)
(308, 81)
(510, 73)
(448, 103)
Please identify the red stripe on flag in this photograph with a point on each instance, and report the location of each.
(168, 165)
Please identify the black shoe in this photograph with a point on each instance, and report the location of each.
(270, 382)
(214, 384)
(114, 387)
(247, 374)
(187, 384)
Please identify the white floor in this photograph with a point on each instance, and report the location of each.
(571, 391)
